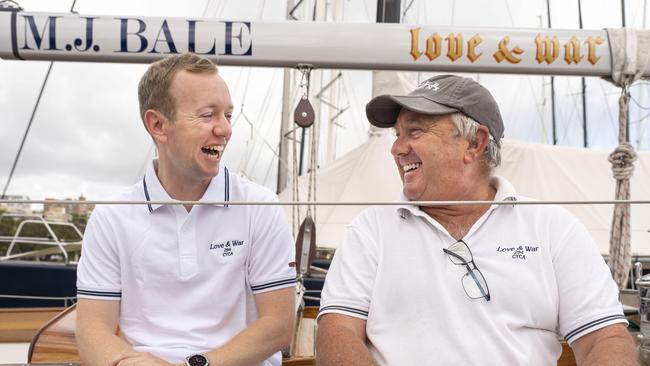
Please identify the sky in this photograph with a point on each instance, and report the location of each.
(87, 137)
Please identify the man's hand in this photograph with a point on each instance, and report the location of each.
(139, 359)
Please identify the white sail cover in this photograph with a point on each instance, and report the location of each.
(544, 172)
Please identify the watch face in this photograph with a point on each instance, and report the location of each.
(197, 360)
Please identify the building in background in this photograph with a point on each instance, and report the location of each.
(56, 211)
(16, 208)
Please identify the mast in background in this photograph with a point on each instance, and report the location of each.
(627, 126)
(286, 123)
(639, 124)
(548, 11)
(585, 142)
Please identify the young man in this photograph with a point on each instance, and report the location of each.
(193, 285)
(464, 284)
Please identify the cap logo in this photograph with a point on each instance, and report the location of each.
(429, 85)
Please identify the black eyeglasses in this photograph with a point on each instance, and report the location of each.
(473, 281)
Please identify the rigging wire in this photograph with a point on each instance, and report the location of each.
(263, 133)
(573, 111)
(453, 8)
(365, 7)
(218, 11)
(612, 122)
(29, 126)
(31, 120)
(407, 9)
(636, 102)
(255, 131)
(260, 13)
(539, 109)
(540, 113)
(347, 90)
(205, 9)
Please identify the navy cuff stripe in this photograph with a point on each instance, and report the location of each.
(592, 324)
(99, 293)
(273, 284)
(343, 308)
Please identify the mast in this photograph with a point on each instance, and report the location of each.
(627, 126)
(285, 123)
(548, 10)
(585, 142)
(388, 11)
(639, 125)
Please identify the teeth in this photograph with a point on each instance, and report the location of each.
(409, 167)
(213, 149)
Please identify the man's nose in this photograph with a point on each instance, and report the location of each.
(222, 127)
(399, 147)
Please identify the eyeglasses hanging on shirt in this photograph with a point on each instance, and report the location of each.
(473, 281)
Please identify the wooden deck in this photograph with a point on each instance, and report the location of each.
(20, 325)
(55, 341)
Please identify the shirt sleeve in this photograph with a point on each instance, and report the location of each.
(351, 276)
(588, 296)
(271, 264)
(98, 271)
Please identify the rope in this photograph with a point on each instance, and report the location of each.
(295, 210)
(313, 164)
(622, 160)
(305, 83)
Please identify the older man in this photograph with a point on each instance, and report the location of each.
(197, 285)
(464, 284)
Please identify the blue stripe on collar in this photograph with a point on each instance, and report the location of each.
(226, 193)
(146, 193)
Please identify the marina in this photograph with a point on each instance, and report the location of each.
(320, 192)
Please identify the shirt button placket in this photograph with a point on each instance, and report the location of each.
(187, 249)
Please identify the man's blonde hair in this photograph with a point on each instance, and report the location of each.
(153, 90)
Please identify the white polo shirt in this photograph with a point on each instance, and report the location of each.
(186, 280)
(545, 276)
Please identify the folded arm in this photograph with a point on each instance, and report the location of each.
(266, 336)
(97, 339)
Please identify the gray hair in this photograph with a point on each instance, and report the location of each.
(467, 128)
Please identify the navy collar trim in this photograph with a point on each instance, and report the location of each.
(146, 193)
(226, 193)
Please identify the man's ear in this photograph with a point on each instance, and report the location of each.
(154, 123)
(477, 147)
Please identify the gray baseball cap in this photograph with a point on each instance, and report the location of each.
(439, 95)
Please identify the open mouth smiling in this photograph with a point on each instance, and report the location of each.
(410, 167)
(213, 150)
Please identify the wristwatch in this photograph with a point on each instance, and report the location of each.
(196, 360)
